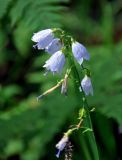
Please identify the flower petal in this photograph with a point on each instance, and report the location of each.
(41, 34)
(58, 154)
(55, 63)
(80, 52)
(87, 85)
(54, 46)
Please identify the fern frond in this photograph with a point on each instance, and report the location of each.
(30, 16)
(30, 10)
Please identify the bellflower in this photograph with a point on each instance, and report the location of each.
(80, 52)
(55, 63)
(43, 38)
(87, 85)
(54, 46)
(61, 145)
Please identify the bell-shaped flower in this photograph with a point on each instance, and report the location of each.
(43, 38)
(54, 46)
(61, 145)
(87, 85)
(80, 52)
(55, 63)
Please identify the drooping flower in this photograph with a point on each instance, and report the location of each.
(55, 63)
(43, 38)
(80, 52)
(87, 85)
(54, 46)
(61, 145)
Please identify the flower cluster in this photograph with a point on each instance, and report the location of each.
(58, 48)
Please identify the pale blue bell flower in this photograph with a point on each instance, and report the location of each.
(43, 38)
(54, 46)
(80, 52)
(87, 85)
(55, 63)
(61, 145)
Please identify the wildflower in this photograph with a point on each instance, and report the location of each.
(87, 85)
(61, 145)
(80, 52)
(54, 46)
(55, 63)
(43, 38)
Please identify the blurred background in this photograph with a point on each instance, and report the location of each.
(29, 129)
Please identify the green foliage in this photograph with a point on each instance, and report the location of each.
(108, 90)
(32, 123)
(25, 124)
(27, 17)
(3, 7)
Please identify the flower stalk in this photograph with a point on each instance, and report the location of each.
(87, 121)
(61, 48)
(61, 82)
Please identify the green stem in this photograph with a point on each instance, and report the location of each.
(90, 138)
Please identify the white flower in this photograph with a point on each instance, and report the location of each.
(61, 145)
(43, 38)
(55, 63)
(87, 85)
(80, 52)
(54, 46)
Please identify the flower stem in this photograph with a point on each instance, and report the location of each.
(56, 86)
(89, 136)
